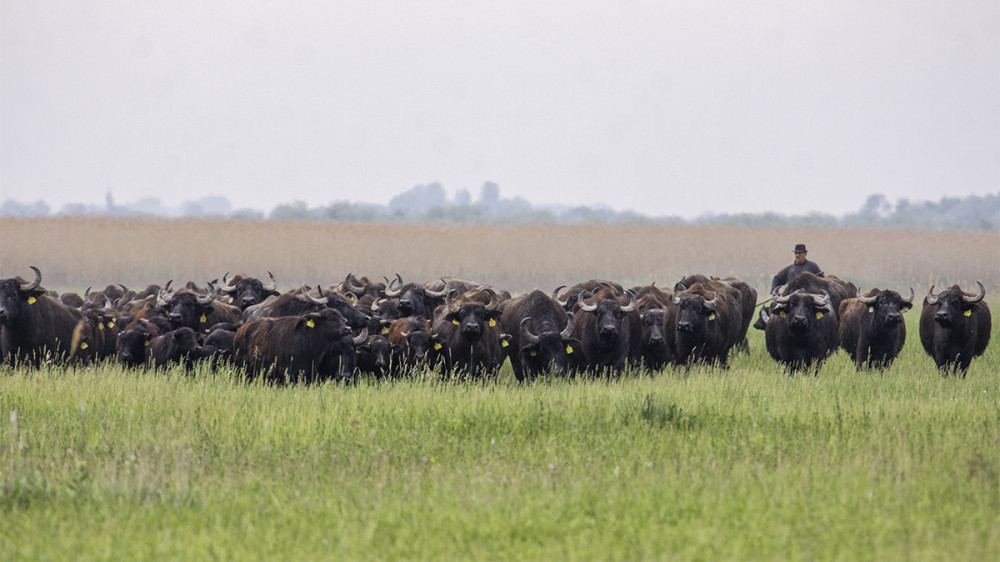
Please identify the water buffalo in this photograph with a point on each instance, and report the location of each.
(872, 330)
(955, 327)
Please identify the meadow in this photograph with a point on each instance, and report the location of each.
(100, 462)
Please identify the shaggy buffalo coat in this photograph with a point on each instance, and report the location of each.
(955, 327)
(872, 330)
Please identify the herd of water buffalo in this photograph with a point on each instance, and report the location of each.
(468, 329)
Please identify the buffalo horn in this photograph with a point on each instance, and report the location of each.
(351, 286)
(34, 284)
(866, 300)
(360, 338)
(972, 299)
(931, 297)
(631, 302)
(273, 285)
(568, 330)
(440, 293)
(909, 300)
(555, 296)
(227, 285)
(526, 332)
(582, 303)
(204, 300)
(712, 304)
(375, 304)
(392, 289)
(312, 299)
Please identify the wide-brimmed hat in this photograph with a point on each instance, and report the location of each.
(800, 248)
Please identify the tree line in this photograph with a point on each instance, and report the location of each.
(430, 203)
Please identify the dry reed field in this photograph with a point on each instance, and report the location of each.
(74, 253)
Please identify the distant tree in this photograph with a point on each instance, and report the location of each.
(11, 208)
(489, 195)
(418, 199)
(291, 211)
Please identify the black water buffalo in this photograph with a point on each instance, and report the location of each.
(133, 342)
(412, 299)
(248, 291)
(374, 356)
(413, 344)
(473, 342)
(703, 322)
(747, 302)
(872, 330)
(314, 347)
(180, 346)
(188, 309)
(96, 336)
(836, 288)
(355, 318)
(569, 298)
(801, 329)
(360, 287)
(653, 353)
(955, 327)
(33, 324)
(541, 331)
(604, 329)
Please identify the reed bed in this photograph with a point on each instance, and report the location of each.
(74, 253)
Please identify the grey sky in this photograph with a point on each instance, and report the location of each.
(661, 107)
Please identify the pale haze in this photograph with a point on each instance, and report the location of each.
(665, 108)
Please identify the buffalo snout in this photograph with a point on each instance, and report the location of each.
(942, 317)
(685, 326)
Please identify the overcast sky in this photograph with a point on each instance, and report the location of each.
(664, 107)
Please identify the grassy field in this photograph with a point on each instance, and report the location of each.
(104, 463)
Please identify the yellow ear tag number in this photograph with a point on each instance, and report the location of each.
(203, 319)
(31, 300)
(385, 331)
(455, 322)
(782, 314)
(967, 312)
(503, 343)
(711, 316)
(310, 323)
(819, 315)
(437, 346)
(569, 350)
(493, 322)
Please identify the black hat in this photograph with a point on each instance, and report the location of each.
(800, 248)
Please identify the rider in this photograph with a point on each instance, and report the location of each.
(800, 266)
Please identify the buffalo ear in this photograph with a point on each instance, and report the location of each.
(906, 306)
(494, 314)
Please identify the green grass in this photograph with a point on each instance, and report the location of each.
(747, 463)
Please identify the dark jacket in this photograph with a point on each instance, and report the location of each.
(793, 271)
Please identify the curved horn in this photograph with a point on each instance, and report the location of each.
(351, 286)
(631, 302)
(490, 304)
(931, 297)
(86, 294)
(312, 299)
(227, 284)
(360, 338)
(555, 296)
(375, 304)
(392, 290)
(449, 301)
(273, 285)
(779, 298)
(440, 293)
(678, 288)
(821, 300)
(204, 300)
(712, 304)
(971, 299)
(163, 298)
(582, 303)
(909, 300)
(526, 332)
(568, 330)
(866, 300)
(34, 284)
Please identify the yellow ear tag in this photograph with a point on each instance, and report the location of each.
(871, 309)
(358, 351)
(310, 323)
(819, 315)
(84, 345)
(147, 344)
(534, 353)
(711, 316)
(31, 300)
(100, 327)
(385, 331)
(782, 314)
(437, 346)
(503, 343)
(456, 322)
(111, 324)
(493, 322)
(569, 349)
(967, 312)
(203, 319)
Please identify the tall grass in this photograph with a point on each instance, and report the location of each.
(78, 252)
(746, 463)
